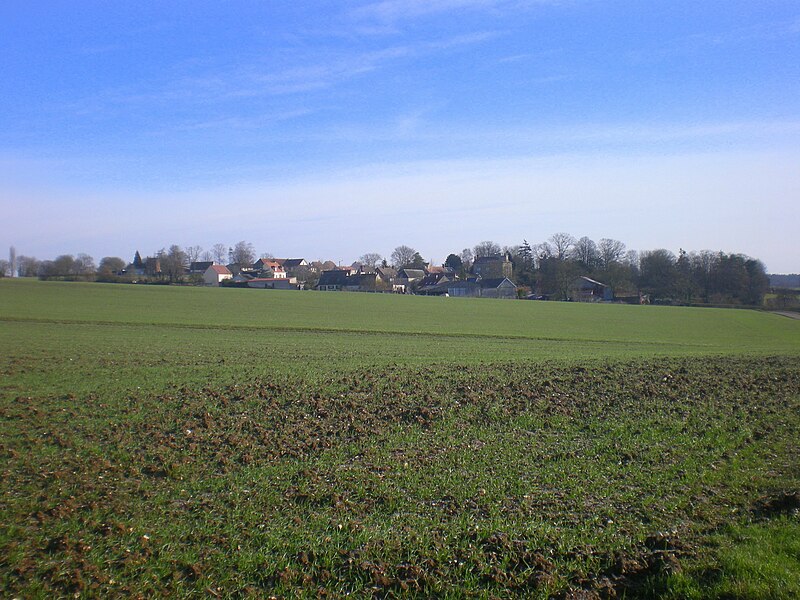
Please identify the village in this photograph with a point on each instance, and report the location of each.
(488, 276)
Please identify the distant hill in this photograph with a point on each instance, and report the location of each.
(785, 281)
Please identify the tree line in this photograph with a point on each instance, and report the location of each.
(707, 277)
(549, 268)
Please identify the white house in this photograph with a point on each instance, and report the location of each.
(216, 274)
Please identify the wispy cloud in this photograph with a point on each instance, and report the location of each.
(297, 74)
(392, 11)
(756, 32)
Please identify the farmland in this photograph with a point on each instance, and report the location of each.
(232, 443)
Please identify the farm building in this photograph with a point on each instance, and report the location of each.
(589, 290)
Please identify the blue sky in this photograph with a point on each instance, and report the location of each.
(331, 129)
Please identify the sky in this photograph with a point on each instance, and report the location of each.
(329, 129)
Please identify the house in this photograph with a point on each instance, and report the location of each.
(290, 264)
(216, 274)
(200, 267)
(362, 282)
(500, 287)
(459, 289)
(408, 278)
(433, 284)
(343, 280)
(333, 280)
(269, 268)
(585, 289)
(388, 279)
(495, 266)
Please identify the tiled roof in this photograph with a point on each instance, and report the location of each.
(219, 269)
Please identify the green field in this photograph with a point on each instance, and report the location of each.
(226, 442)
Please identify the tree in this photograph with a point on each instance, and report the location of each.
(487, 248)
(27, 266)
(562, 243)
(62, 267)
(243, 254)
(525, 253)
(523, 264)
(84, 265)
(137, 261)
(5, 268)
(193, 253)
(609, 251)
(541, 253)
(657, 273)
(417, 262)
(685, 283)
(702, 268)
(173, 263)
(758, 282)
(466, 257)
(109, 268)
(454, 262)
(402, 256)
(111, 264)
(219, 253)
(584, 251)
(370, 260)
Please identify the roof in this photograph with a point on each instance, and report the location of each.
(334, 277)
(268, 262)
(290, 263)
(495, 282)
(592, 281)
(218, 269)
(412, 273)
(200, 266)
(442, 269)
(434, 278)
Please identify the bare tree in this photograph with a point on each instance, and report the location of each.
(27, 266)
(610, 251)
(487, 248)
(207, 256)
(466, 257)
(173, 263)
(541, 252)
(243, 254)
(585, 251)
(84, 265)
(562, 243)
(402, 256)
(193, 253)
(5, 268)
(267, 255)
(219, 253)
(370, 260)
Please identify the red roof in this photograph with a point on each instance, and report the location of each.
(220, 269)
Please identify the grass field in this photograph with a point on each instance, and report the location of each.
(231, 443)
